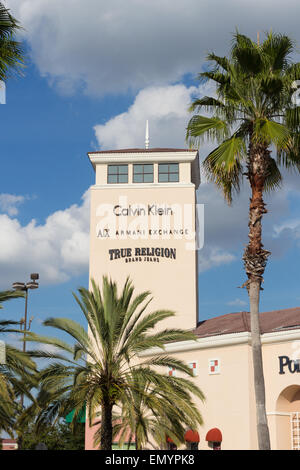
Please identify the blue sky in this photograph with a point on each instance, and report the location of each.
(92, 80)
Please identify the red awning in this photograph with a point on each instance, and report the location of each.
(191, 436)
(214, 435)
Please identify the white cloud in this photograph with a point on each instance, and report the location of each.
(237, 303)
(289, 227)
(9, 203)
(165, 107)
(57, 250)
(287, 232)
(113, 46)
(211, 257)
(47, 348)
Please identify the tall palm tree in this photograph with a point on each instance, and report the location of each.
(11, 51)
(102, 367)
(252, 116)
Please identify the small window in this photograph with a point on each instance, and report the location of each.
(117, 174)
(168, 172)
(214, 366)
(193, 366)
(143, 173)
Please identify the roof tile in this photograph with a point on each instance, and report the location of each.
(275, 320)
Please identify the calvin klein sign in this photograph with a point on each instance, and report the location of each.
(136, 210)
(286, 362)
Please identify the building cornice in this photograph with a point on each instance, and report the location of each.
(219, 341)
(142, 185)
(134, 157)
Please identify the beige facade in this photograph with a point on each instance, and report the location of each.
(229, 391)
(146, 230)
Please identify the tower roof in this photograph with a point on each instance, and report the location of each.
(151, 155)
(143, 150)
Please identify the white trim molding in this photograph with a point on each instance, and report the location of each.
(277, 413)
(119, 157)
(202, 343)
(230, 339)
(141, 185)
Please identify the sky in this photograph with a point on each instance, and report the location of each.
(95, 72)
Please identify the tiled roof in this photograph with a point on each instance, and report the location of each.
(274, 321)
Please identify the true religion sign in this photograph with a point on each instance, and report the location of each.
(131, 255)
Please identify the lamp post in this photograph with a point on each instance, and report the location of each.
(22, 286)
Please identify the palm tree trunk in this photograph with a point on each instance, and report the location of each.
(20, 441)
(259, 382)
(255, 260)
(106, 426)
(137, 444)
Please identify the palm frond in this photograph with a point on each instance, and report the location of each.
(247, 55)
(277, 49)
(9, 295)
(212, 128)
(11, 51)
(273, 178)
(269, 131)
(223, 165)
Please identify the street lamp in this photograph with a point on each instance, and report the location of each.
(2, 353)
(25, 287)
(22, 286)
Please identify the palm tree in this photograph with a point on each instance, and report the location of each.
(105, 362)
(16, 375)
(253, 114)
(150, 412)
(11, 51)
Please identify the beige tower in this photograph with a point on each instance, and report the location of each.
(143, 225)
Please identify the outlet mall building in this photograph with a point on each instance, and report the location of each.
(144, 222)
